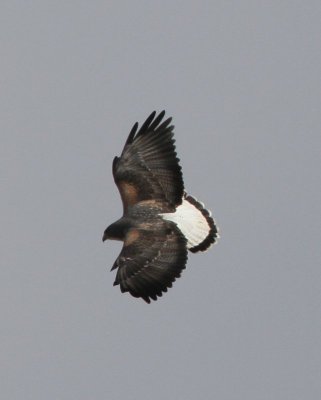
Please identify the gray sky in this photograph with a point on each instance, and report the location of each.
(242, 81)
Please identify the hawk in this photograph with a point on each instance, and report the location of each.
(160, 221)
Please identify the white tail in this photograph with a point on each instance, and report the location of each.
(196, 224)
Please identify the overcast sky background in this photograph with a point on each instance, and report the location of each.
(242, 81)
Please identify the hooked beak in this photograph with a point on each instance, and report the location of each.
(105, 236)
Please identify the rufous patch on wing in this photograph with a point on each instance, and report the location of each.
(131, 237)
(128, 192)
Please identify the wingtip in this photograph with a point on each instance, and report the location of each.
(151, 117)
(132, 134)
(162, 113)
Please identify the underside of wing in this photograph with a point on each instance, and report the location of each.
(148, 168)
(151, 260)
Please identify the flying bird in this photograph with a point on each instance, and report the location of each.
(160, 221)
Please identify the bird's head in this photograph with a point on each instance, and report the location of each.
(116, 231)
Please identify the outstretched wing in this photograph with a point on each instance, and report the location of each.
(152, 257)
(148, 168)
